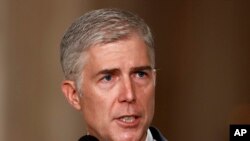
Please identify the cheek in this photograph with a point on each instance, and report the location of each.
(89, 104)
(150, 105)
(150, 102)
(147, 92)
(146, 96)
(150, 92)
(96, 104)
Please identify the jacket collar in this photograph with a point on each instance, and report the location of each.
(157, 134)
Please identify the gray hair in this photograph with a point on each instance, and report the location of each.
(99, 27)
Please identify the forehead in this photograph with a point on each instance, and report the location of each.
(130, 50)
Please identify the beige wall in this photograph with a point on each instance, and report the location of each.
(34, 106)
(3, 46)
(202, 52)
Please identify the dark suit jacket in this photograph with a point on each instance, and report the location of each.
(155, 133)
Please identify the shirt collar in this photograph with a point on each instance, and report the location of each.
(149, 136)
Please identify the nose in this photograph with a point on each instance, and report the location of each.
(127, 92)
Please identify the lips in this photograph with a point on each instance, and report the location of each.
(128, 121)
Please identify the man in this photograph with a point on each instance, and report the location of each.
(107, 56)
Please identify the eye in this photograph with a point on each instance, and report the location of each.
(141, 74)
(107, 77)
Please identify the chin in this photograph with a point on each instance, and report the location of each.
(129, 136)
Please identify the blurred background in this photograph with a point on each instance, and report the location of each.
(203, 57)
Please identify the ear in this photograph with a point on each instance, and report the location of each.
(69, 90)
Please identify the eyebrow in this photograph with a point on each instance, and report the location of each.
(108, 71)
(115, 70)
(142, 68)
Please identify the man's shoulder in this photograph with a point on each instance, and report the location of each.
(157, 135)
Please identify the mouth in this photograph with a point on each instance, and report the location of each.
(128, 121)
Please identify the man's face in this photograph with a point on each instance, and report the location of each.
(118, 90)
